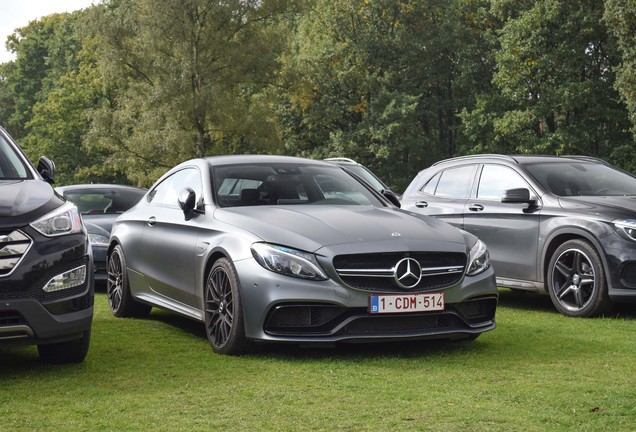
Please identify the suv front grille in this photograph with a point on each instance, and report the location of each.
(379, 272)
(13, 247)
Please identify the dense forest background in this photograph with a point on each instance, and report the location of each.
(123, 90)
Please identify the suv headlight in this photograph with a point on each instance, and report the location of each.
(287, 261)
(61, 221)
(626, 226)
(479, 260)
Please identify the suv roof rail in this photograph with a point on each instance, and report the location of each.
(587, 158)
(484, 156)
(341, 159)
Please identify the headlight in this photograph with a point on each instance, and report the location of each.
(287, 261)
(63, 220)
(479, 259)
(626, 226)
(97, 239)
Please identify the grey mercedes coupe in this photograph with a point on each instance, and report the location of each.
(284, 249)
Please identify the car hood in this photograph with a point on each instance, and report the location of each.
(23, 201)
(618, 205)
(310, 227)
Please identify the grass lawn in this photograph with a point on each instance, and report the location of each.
(538, 371)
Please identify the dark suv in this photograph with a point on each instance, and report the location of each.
(46, 276)
(565, 225)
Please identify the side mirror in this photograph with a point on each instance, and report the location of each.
(391, 196)
(187, 201)
(517, 196)
(46, 168)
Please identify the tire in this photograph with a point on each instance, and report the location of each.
(120, 300)
(73, 351)
(224, 321)
(576, 280)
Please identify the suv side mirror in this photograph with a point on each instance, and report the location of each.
(517, 196)
(46, 168)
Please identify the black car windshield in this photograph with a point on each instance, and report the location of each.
(288, 184)
(97, 201)
(12, 166)
(574, 178)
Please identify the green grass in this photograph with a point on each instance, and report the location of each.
(538, 371)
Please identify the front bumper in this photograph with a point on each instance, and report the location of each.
(284, 309)
(30, 315)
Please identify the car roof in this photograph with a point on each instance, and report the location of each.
(96, 186)
(242, 159)
(522, 159)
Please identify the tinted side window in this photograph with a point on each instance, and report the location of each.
(455, 182)
(167, 192)
(431, 185)
(495, 179)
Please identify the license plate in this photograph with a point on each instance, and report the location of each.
(405, 303)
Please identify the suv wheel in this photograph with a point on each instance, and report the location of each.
(576, 280)
(73, 351)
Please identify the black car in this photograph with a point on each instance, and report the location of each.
(46, 277)
(99, 205)
(565, 225)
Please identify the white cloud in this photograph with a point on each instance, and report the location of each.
(18, 13)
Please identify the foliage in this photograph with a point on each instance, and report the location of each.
(381, 81)
(620, 16)
(129, 88)
(185, 80)
(554, 83)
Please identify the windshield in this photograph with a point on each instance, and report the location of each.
(12, 166)
(582, 179)
(107, 200)
(367, 176)
(288, 184)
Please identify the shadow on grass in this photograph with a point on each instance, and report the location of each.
(291, 351)
(517, 299)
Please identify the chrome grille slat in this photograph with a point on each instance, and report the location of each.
(376, 272)
(13, 247)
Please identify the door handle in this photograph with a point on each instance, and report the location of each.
(421, 204)
(151, 221)
(475, 207)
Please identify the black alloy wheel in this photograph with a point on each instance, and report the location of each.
(224, 323)
(576, 280)
(120, 300)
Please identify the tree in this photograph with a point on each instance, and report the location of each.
(185, 79)
(382, 82)
(620, 16)
(555, 75)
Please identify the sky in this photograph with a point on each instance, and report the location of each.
(18, 13)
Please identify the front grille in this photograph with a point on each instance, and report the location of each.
(305, 318)
(477, 311)
(11, 318)
(628, 275)
(330, 320)
(13, 247)
(377, 272)
(400, 324)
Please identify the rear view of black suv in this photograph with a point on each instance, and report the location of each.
(565, 225)
(46, 276)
